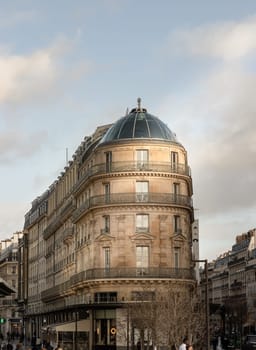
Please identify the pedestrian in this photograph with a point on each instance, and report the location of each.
(219, 346)
(189, 347)
(58, 347)
(18, 346)
(9, 346)
(183, 345)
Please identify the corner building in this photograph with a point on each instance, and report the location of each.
(117, 221)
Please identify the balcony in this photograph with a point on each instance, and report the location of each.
(119, 167)
(236, 285)
(52, 227)
(132, 198)
(117, 273)
(67, 234)
(67, 208)
(135, 272)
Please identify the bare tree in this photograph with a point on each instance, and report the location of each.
(162, 315)
(180, 314)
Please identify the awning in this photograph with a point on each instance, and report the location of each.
(5, 289)
(15, 320)
(249, 324)
(79, 326)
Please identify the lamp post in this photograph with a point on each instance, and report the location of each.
(24, 330)
(205, 261)
(76, 319)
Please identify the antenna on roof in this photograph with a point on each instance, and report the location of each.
(66, 156)
(139, 103)
(127, 111)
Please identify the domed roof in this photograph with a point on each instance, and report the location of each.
(139, 124)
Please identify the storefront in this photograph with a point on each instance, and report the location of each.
(71, 335)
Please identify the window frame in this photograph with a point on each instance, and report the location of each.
(177, 224)
(142, 223)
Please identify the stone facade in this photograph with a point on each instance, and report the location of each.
(232, 289)
(9, 273)
(117, 221)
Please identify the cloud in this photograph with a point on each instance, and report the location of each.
(12, 217)
(13, 18)
(215, 121)
(26, 77)
(38, 76)
(16, 145)
(224, 40)
(216, 118)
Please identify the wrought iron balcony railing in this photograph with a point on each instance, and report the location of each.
(133, 272)
(118, 273)
(67, 207)
(118, 167)
(68, 233)
(132, 198)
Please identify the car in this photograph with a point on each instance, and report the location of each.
(250, 342)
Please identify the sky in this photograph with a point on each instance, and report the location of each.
(67, 67)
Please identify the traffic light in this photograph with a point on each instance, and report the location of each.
(2, 320)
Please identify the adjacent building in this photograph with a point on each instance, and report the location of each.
(11, 321)
(232, 288)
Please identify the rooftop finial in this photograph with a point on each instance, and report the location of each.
(139, 102)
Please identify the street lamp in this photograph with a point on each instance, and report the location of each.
(76, 314)
(205, 261)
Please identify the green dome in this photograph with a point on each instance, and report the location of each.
(139, 124)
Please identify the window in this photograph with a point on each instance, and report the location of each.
(143, 296)
(105, 321)
(176, 224)
(142, 257)
(106, 258)
(107, 192)
(142, 191)
(106, 228)
(105, 297)
(142, 158)
(176, 188)
(108, 161)
(174, 160)
(176, 258)
(142, 223)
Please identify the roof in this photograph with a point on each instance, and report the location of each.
(139, 124)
